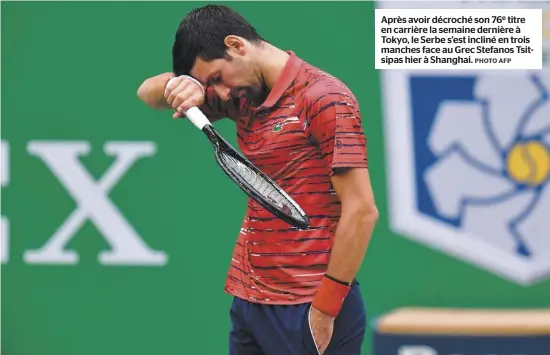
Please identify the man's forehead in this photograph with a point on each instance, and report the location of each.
(203, 69)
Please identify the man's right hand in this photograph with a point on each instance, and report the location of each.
(182, 93)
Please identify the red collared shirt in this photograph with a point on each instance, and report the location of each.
(309, 125)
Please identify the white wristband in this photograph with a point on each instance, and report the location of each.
(194, 80)
(168, 83)
(188, 77)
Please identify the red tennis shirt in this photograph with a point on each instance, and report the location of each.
(308, 125)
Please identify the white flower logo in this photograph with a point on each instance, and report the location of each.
(492, 171)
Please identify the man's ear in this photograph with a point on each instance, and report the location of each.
(235, 45)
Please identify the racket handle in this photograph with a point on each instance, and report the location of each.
(195, 115)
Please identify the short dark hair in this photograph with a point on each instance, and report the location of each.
(202, 33)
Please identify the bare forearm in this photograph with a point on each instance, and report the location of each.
(151, 91)
(352, 238)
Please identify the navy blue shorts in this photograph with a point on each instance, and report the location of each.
(259, 329)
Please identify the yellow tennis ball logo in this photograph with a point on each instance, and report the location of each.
(529, 163)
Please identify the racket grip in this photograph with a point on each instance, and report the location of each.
(195, 115)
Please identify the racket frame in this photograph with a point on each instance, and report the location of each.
(220, 144)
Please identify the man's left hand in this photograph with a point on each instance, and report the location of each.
(322, 326)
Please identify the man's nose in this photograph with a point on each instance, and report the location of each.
(223, 92)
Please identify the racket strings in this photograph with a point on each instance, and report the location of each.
(261, 185)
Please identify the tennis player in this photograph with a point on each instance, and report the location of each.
(294, 291)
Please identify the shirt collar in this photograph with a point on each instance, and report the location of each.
(288, 75)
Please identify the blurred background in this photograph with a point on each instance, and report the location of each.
(105, 229)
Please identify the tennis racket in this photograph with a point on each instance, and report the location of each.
(248, 177)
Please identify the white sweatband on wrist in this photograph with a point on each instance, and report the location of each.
(168, 83)
(194, 80)
(188, 77)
